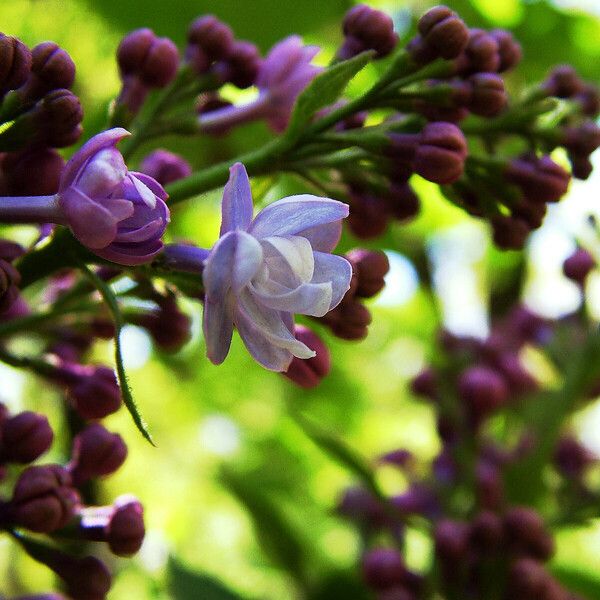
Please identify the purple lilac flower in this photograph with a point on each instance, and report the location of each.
(282, 76)
(264, 270)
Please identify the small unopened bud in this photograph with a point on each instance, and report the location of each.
(370, 266)
(166, 167)
(86, 578)
(402, 201)
(369, 215)
(487, 532)
(15, 63)
(31, 172)
(25, 437)
(526, 533)
(125, 530)
(509, 50)
(349, 320)
(489, 485)
(51, 69)
(451, 540)
(383, 567)
(241, 66)
(582, 140)
(443, 31)
(309, 373)
(589, 99)
(526, 578)
(510, 233)
(571, 458)
(563, 82)
(581, 166)
(488, 95)
(483, 390)
(96, 453)
(425, 384)
(579, 265)
(214, 37)
(540, 179)
(58, 119)
(371, 28)
(440, 155)
(43, 498)
(481, 54)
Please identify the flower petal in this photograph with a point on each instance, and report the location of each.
(232, 262)
(312, 299)
(334, 269)
(294, 214)
(323, 237)
(297, 253)
(217, 325)
(146, 194)
(140, 234)
(237, 204)
(151, 183)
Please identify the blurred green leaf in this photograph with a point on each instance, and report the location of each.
(185, 584)
(578, 581)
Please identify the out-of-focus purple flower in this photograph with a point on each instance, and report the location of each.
(282, 76)
(118, 214)
(263, 271)
(165, 166)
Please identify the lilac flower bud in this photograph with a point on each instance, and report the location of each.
(25, 437)
(518, 379)
(486, 534)
(443, 32)
(509, 50)
(582, 140)
(489, 485)
(15, 63)
(579, 265)
(531, 213)
(242, 65)
(563, 82)
(510, 233)
(309, 373)
(96, 453)
(441, 153)
(58, 119)
(540, 179)
(571, 458)
(451, 540)
(43, 499)
(581, 166)
(402, 201)
(526, 578)
(481, 54)
(488, 95)
(383, 567)
(212, 36)
(359, 505)
(151, 59)
(483, 390)
(349, 321)
(51, 69)
(589, 99)
(366, 28)
(369, 215)
(526, 533)
(85, 578)
(425, 384)
(125, 530)
(94, 391)
(371, 266)
(9, 285)
(169, 327)
(165, 167)
(120, 215)
(31, 172)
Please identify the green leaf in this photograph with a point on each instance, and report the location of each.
(578, 581)
(185, 584)
(324, 90)
(111, 301)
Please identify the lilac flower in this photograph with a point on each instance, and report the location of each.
(262, 271)
(282, 76)
(119, 214)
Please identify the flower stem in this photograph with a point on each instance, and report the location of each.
(31, 209)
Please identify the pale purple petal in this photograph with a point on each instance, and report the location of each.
(148, 181)
(237, 204)
(131, 254)
(323, 238)
(140, 234)
(334, 269)
(297, 253)
(104, 139)
(312, 299)
(144, 192)
(297, 213)
(102, 174)
(217, 325)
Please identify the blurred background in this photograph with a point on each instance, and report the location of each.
(239, 503)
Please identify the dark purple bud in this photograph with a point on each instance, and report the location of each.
(383, 567)
(581, 166)
(151, 59)
(540, 179)
(370, 266)
(509, 50)
(125, 530)
(563, 82)
(444, 467)
(425, 384)
(526, 579)
(571, 458)
(58, 119)
(86, 578)
(526, 533)
(15, 63)
(489, 485)
(579, 265)
(358, 504)
(518, 378)
(165, 166)
(509, 233)
(96, 453)
(451, 540)
(241, 66)
(402, 201)
(483, 390)
(589, 99)
(488, 95)
(481, 55)
(373, 28)
(349, 320)
(369, 215)
(43, 499)
(212, 36)
(51, 69)
(401, 458)
(487, 533)
(443, 31)
(351, 46)
(440, 155)
(309, 373)
(581, 140)
(25, 437)
(531, 212)
(31, 172)
(419, 499)
(9, 285)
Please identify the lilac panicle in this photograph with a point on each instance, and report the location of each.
(120, 215)
(263, 270)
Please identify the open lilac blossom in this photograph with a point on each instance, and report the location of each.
(264, 270)
(118, 214)
(282, 76)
